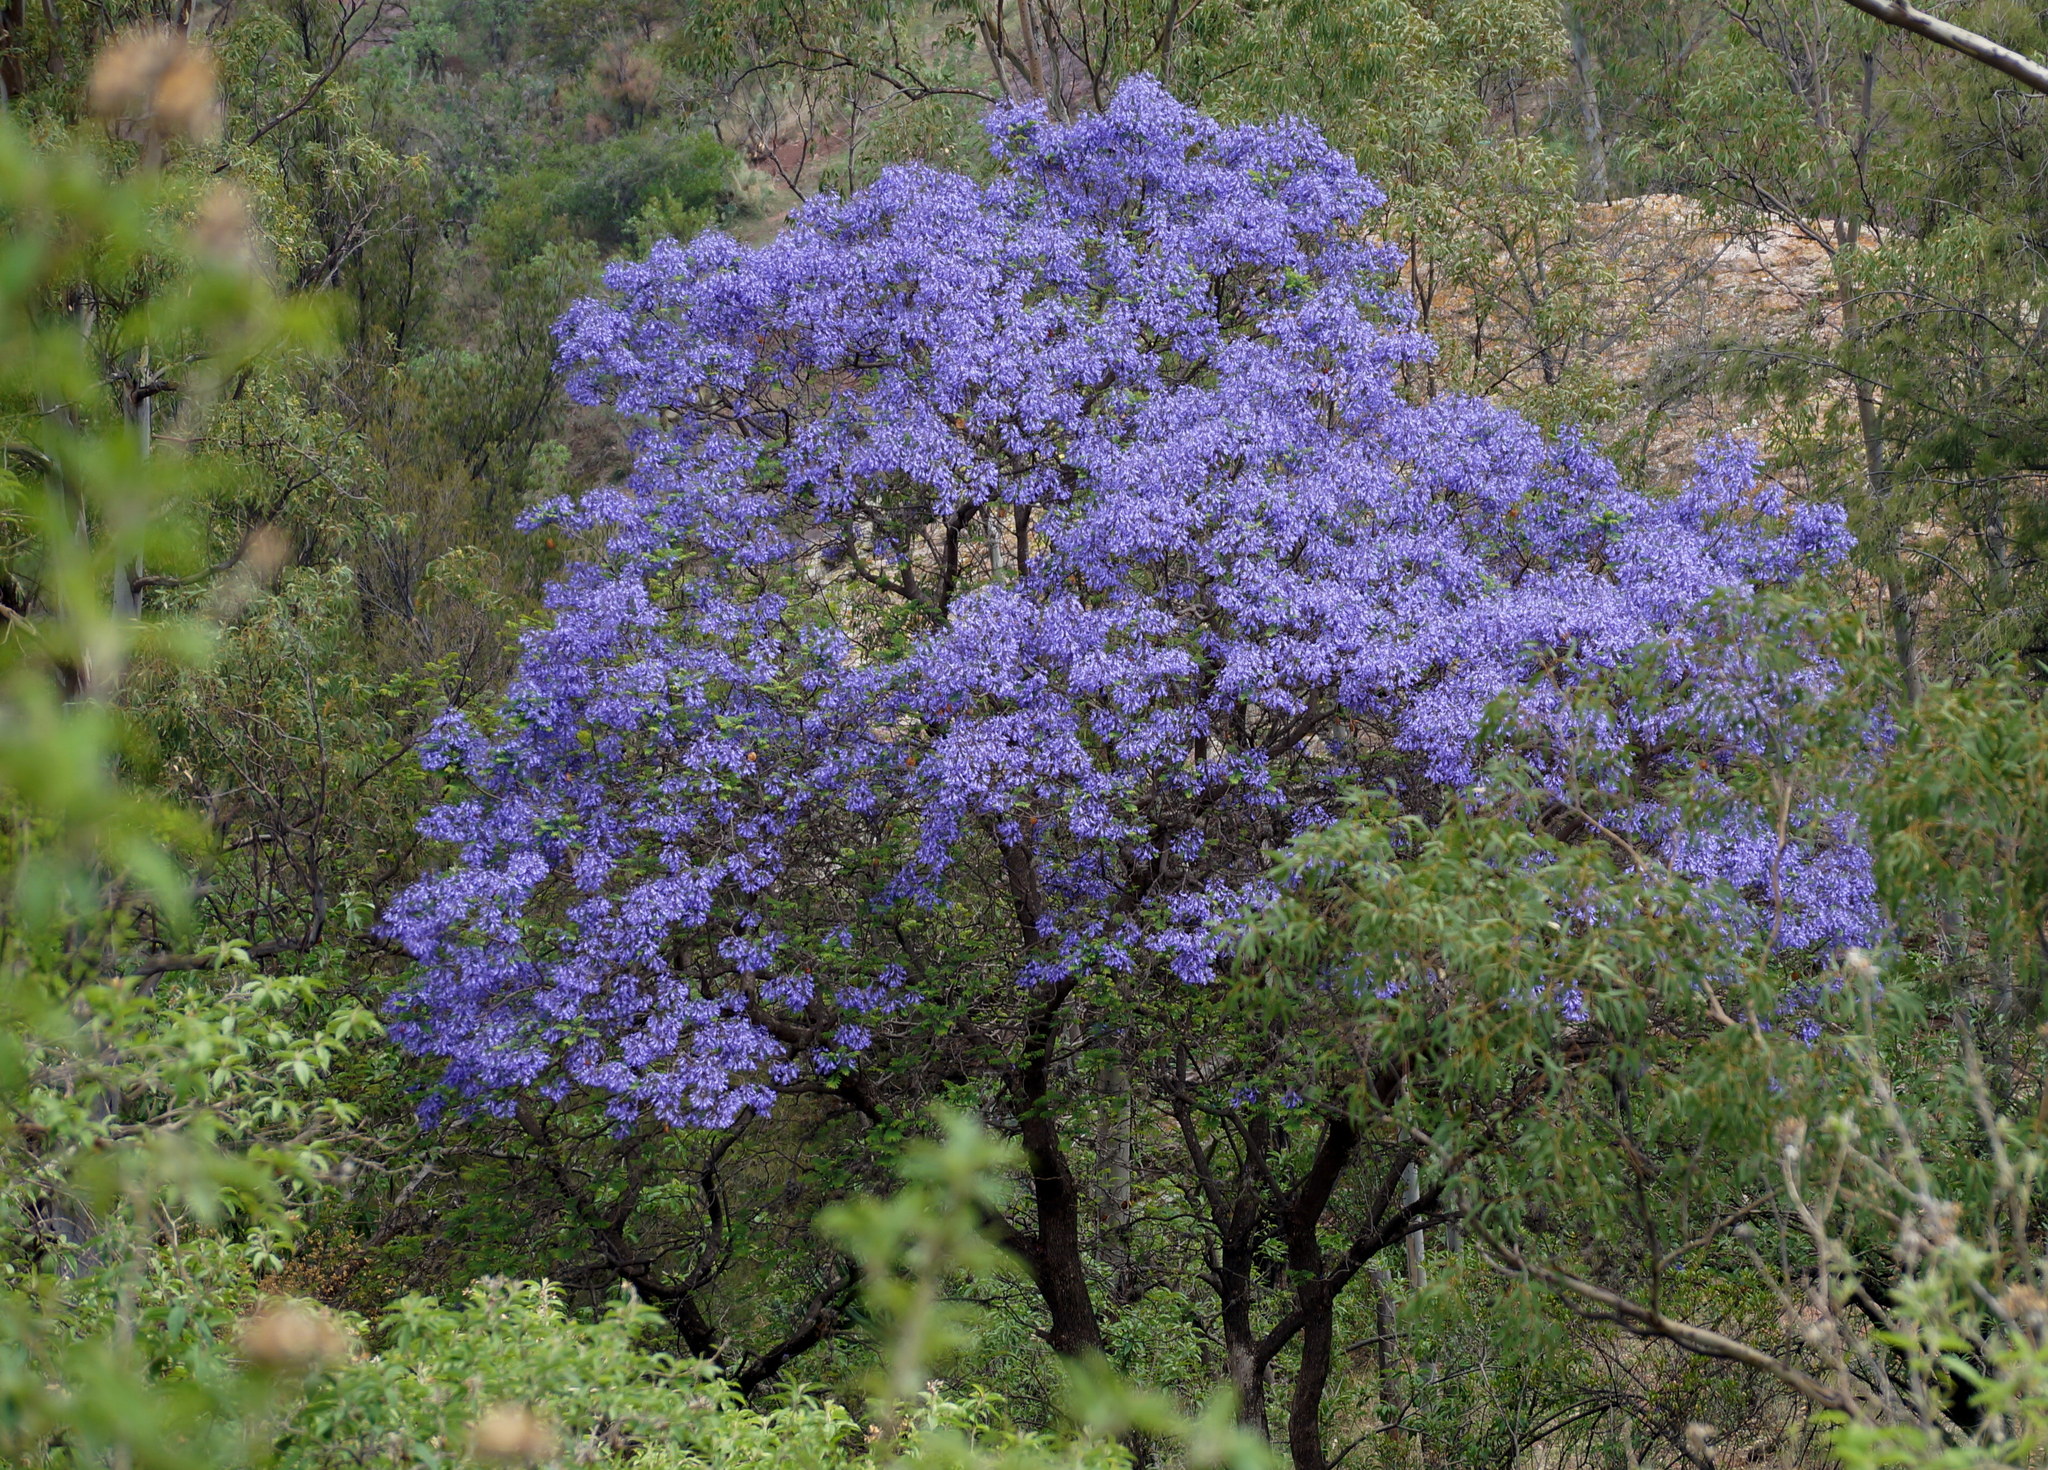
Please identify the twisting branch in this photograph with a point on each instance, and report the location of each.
(338, 51)
(1646, 1321)
(1978, 48)
(215, 959)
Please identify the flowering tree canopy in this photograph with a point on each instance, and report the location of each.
(1043, 553)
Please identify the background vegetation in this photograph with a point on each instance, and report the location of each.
(276, 380)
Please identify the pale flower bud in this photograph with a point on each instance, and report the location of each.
(2028, 1309)
(1938, 1219)
(154, 77)
(1791, 1134)
(289, 1337)
(222, 231)
(125, 74)
(511, 1434)
(187, 104)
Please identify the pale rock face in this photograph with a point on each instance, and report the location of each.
(1676, 280)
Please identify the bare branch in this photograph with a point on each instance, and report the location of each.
(1648, 1322)
(338, 52)
(164, 964)
(1978, 48)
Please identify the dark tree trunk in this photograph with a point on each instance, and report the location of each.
(1247, 1370)
(13, 72)
(1236, 1215)
(1059, 1268)
(1058, 1264)
(1305, 1411)
(1315, 1291)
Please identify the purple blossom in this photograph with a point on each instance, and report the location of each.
(1051, 548)
(1573, 1007)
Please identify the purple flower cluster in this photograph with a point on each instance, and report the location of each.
(1035, 557)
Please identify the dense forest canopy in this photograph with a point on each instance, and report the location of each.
(1022, 732)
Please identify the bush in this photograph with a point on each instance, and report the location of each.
(630, 190)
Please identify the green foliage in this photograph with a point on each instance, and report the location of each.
(240, 577)
(1924, 1312)
(629, 190)
(911, 1244)
(511, 1374)
(92, 272)
(1852, 1214)
(1962, 858)
(1909, 390)
(130, 1111)
(1463, 928)
(439, 1372)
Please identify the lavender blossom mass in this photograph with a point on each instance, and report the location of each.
(1049, 549)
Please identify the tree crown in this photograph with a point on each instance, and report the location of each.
(1054, 547)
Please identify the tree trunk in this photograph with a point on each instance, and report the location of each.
(1384, 1358)
(1877, 472)
(1059, 1266)
(1411, 1191)
(1240, 1342)
(1305, 1411)
(1235, 1216)
(1062, 1272)
(1113, 1167)
(13, 73)
(141, 408)
(1315, 1292)
(1591, 127)
(1877, 479)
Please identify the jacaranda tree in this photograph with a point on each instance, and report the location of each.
(1008, 569)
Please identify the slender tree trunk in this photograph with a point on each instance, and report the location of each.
(1055, 71)
(1877, 478)
(1234, 1217)
(1997, 551)
(56, 24)
(1591, 126)
(1877, 473)
(1311, 1378)
(1057, 1261)
(994, 528)
(1411, 1191)
(1027, 38)
(1113, 1167)
(142, 414)
(1240, 1342)
(1315, 1292)
(1384, 1351)
(13, 74)
(1060, 1267)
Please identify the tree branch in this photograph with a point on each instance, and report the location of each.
(1648, 1322)
(1978, 48)
(342, 44)
(215, 959)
